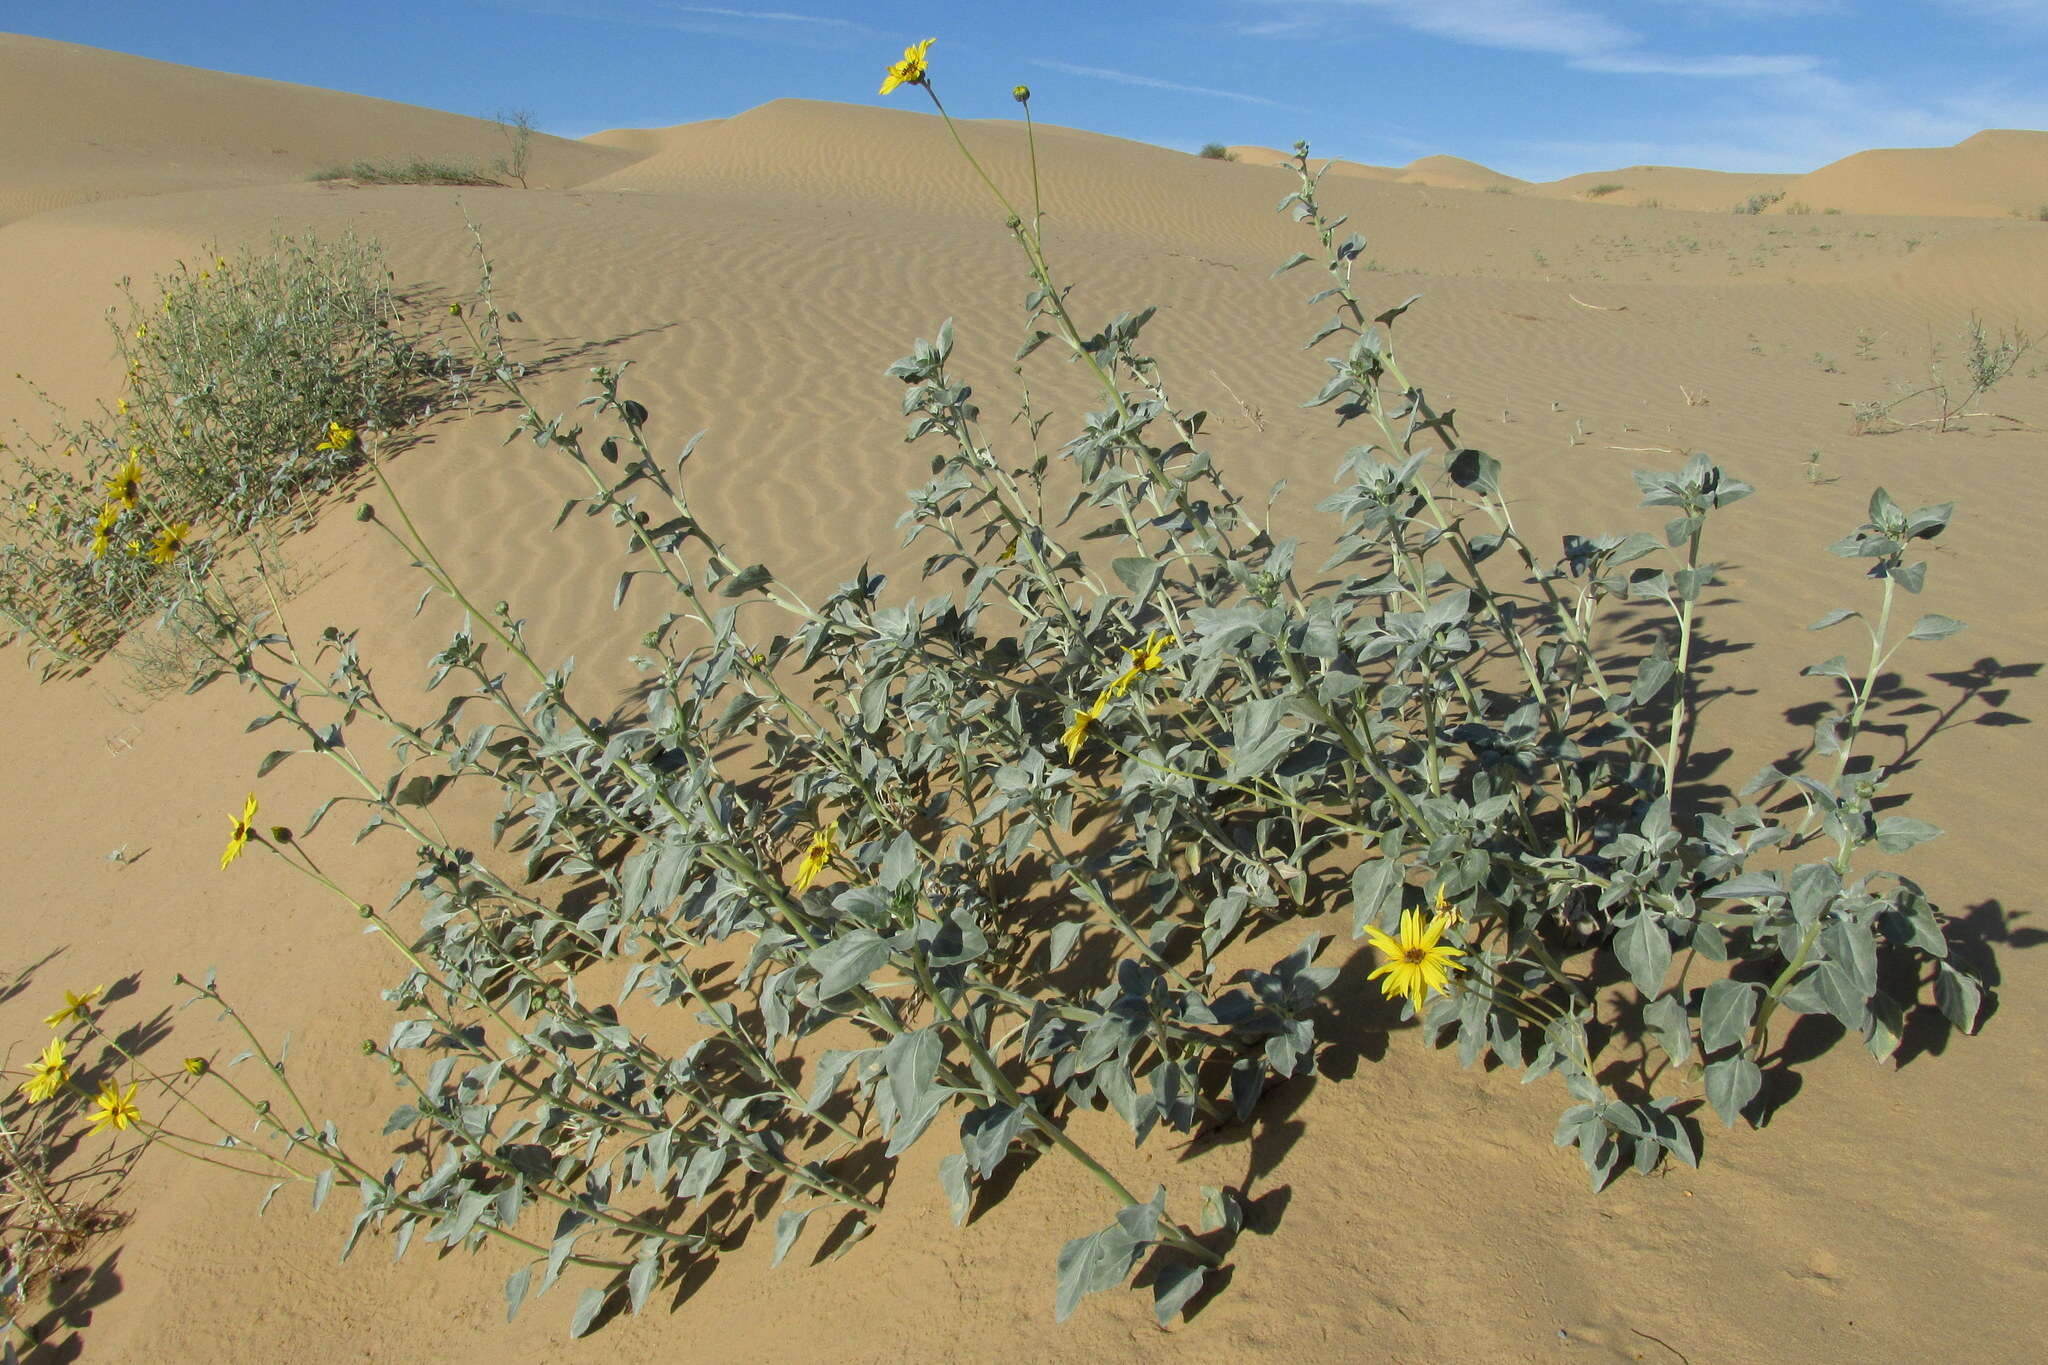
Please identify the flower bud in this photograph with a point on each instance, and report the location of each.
(1021, 94)
(196, 1066)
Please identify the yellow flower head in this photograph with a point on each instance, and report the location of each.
(47, 1074)
(815, 858)
(125, 489)
(1077, 733)
(240, 827)
(169, 540)
(77, 1007)
(196, 1066)
(108, 516)
(1418, 964)
(911, 70)
(1146, 658)
(114, 1109)
(339, 437)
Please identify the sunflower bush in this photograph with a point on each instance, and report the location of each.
(1067, 829)
(246, 383)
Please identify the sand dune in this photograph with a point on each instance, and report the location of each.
(84, 124)
(761, 271)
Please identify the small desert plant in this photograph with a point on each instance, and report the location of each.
(412, 171)
(515, 126)
(1986, 362)
(1798, 207)
(1216, 151)
(1757, 203)
(1602, 191)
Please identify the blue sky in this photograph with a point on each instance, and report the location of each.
(1536, 88)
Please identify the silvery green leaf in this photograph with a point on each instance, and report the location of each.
(1652, 678)
(1837, 667)
(1885, 1028)
(1898, 833)
(1060, 942)
(1732, 1083)
(1088, 1265)
(1814, 888)
(640, 1280)
(1644, 947)
(1296, 259)
(516, 1285)
(847, 962)
(1726, 1009)
(953, 1180)
(787, 1228)
(1140, 574)
(1851, 947)
(1221, 1210)
(1934, 627)
(1376, 894)
(587, 1309)
(1833, 618)
(1173, 1286)
(1668, 1021)
(1838, 993)
(1259, 739)
(1960, 996)
(323, 1185)
(1748, 886)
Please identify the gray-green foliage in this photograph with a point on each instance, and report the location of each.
(1080, 805)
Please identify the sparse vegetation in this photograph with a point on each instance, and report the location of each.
(1757, 203)
(1986, 361)
(247, 383)
(1602, 191)
(1216, 151)
(416, 171)
(515, 126)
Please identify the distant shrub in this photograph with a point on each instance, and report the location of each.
(417, 171)
(245, 385)
(1216, 151)
(1602, 191)
(1798, 206)
(1500, 189)
(1757, 203)
(516, 127)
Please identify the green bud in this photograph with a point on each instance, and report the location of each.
(1021, 94)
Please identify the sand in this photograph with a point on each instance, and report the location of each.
(762, 271)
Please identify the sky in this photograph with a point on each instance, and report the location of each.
(1536, 88)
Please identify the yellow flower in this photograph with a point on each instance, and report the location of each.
(108, 516)
(77, 1007)
(339, 437)
(815, 857)
(1078, 731)
(1145, 659)
(169, 540)
(116, 1109)
(121, 406)
(1444, 907)
(126, 487)
(142, 332)
(47, 1074)
(909, 71)
(240, 828)
(1418, 964)
(196, 1066)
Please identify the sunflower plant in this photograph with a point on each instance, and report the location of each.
(1059, 833)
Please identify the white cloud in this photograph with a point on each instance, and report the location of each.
(1154, 83)
(1583, 38)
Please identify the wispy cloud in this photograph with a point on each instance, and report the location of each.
(729, 21)
(1583, 38)
(769, 16)
(1100, 73)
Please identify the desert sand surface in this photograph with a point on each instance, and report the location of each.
(761, 272)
